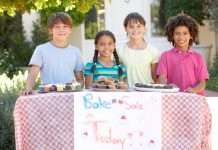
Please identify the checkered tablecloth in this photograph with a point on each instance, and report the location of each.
(45, 122)
(186, 122)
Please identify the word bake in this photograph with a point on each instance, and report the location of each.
(91, 102)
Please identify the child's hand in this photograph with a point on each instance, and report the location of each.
(189, 90)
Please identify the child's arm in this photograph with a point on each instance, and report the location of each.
(153, 72)
(162, 79)
(198, 88)
(30, 82)
(88, 81)
(79, 77)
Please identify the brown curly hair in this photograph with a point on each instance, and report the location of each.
(182, 20)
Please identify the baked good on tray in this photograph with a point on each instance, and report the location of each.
(74, 86)
(109, 84)
(155, 88)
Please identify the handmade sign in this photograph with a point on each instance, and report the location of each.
(117, 121)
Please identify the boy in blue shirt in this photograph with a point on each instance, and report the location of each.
(57, 60)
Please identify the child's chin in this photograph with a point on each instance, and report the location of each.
(62, 38)
(136, 37)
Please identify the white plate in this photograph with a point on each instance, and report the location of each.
(156, 90)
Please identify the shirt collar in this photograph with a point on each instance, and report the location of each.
(180, 52)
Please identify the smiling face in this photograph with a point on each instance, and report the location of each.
(105, 46)
(181, 37)
(135, 30)
(60, 32)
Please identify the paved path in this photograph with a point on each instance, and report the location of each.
(211, 93)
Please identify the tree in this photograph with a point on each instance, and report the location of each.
(15, 51)
(213, 16)
(11, 7)
(194, 8)
(162, 15)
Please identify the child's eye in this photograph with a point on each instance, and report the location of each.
(111, 44)
(101, 44)
(57, 27)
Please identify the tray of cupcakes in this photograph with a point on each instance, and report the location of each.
(68, 87)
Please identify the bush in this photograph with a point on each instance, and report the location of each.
(9, 89)
(7, 139)
(212, 83)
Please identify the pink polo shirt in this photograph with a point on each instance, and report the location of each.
(183, 69)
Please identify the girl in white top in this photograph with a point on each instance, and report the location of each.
(138, 56)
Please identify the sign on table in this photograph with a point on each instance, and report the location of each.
(117, 121)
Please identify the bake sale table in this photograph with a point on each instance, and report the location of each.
(112, 120)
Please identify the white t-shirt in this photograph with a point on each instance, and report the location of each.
(57, 65)
(138, 63)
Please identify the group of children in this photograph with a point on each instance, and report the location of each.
(137, 62)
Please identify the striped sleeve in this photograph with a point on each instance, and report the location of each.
(124, 75)
(88, 67)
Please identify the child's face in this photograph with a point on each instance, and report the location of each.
(135, 30)
(181, 37)
(105, 46)
(60, 32)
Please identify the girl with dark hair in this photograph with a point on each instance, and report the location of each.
(103, 65)
(181, 65)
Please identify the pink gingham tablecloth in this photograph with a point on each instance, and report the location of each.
(186, 122)
(45, 122)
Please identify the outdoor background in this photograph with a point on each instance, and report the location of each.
(17, 43)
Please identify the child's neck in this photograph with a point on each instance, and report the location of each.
(137, 44)
(106, 61)
(60, 44)
(183, 49)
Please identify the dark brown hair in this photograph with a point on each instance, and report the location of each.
(134, 17)
(59, 17)
(182, 20)
(95, 58)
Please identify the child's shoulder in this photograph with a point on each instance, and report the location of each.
(43, 45)
(152, 49)
(89, 63)
(123, 66)
(197, 55)
(73, 48)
